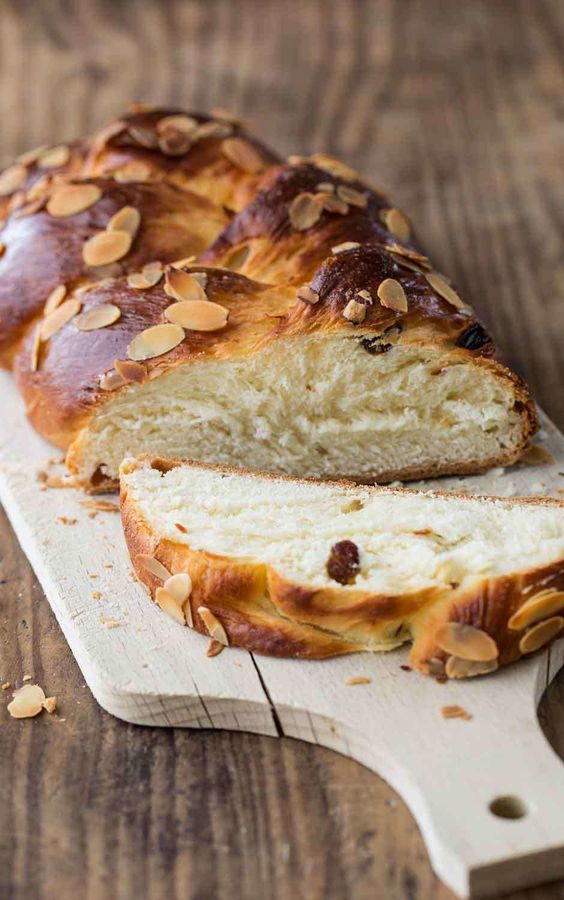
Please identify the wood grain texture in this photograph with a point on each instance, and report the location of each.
(458, 109)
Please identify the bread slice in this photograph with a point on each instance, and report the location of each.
(302, 568)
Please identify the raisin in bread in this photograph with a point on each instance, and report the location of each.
(301, 568)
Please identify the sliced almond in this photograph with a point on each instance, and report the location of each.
(70, 199)
(366, 296)
(304, 211)
(127, 219)
(352, 196)
(98, 317)
(138, 282)
(540, 635)
(28, 702)
(59, 317)
(31, 156)
(201, 278)
(182, 263)
(173, 142)
(243, 155)
(179, 586)
(152, 565)
(177, 123)
(155, 341)
(325, 187)
(307, 294)
(213, 625)
(128, 370)
(217, 130)
(183, 286)
(145, 137)
(396, 222)
(50, 704)
(346, 245)
(442, 287)
(153, 272)
(198, 315)
(169, 605)
(392, 295)
(54, 299)
(136, 170)
(215, 648)
(187, 610)
(334, 166)
(54, 158)
(542, 606)
(35, 349)
(106, 247)
(466, 641)
(12, 179)
(456, 667)
(332, 203)
(111, 381)
(355, 312)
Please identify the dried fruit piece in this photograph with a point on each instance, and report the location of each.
(152, 565)
(355, 312)
(128, 370)
(70, 199)
(54, 158)
(179, 586)
(169, 605)
(155, 341)
(28, 702)
(98, 317)
(543, 605)
(346, 245)
(307, 294)
(392, 295)
(12, 179)
(198, 315)
(396, 222)
(243, 155)
(456, 667)
(183, 286)
(343, 564)
(59, 317)
(304, 211)
(540, 635)
(352, 196)
(54, 299)
(127, 219)
(213, 625)
(466, 641)
(106, 247)
(442, 287)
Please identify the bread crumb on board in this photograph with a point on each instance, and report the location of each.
(29, 700)
(455, 712)
(358, 679)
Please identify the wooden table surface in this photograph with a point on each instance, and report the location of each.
(458, 108)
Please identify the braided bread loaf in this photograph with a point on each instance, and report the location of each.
(170, 287)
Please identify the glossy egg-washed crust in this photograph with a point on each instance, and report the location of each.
(267, 613)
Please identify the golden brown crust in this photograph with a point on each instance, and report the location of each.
(266, 613)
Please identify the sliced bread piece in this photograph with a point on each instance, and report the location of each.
(301, 568)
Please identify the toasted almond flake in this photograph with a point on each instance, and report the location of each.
(54, 158)
(153, 272)
(70, 199)
(177, 123)
(97, 317)
(243, 155)
(129, 370)
(201, 278)
(536, 455)
(198, 315)
(152, 565)
(355, 312)
(11, 179)
(179, 586)
(392, 295)
(187, 610)
(155, 341)
(35, 349)
(467, 668)
(31, 156)
(215, 648)
(333, 203)
(213, 625)
(346, 245)
(138, 281)
(352, 196)
(136, 170)
(540, 635)
(145, 137)
(110, 381)
(50, 704)
(541, 606)
(218, 112)
(59, 317)
(127, 219)
(307, 294)
(442, 287)
(396, 222)
(182, 263)
(28, 702)
(174, 142)
(325, 187)
(455, 712)
(106, 247)
(183, 286)
(169, 605)
(100, 505)
(334, 166)
(406, 263)
(466, 641)
(304, 211)
(39, 187)
(409, 253)
(358, 679)
(365, 295)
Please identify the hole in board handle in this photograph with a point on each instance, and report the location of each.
(508, 806)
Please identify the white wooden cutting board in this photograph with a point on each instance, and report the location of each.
(144, 668)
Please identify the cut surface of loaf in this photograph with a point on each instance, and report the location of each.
(168, 286)
(308, 569)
